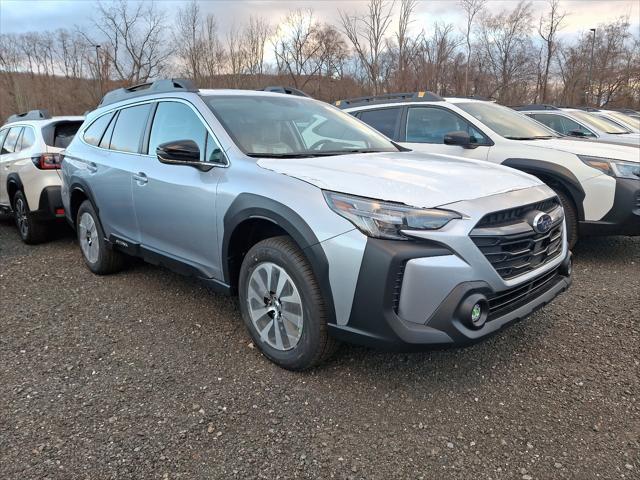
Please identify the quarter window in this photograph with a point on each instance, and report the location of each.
(129, 128)
(93, 134)
(28, 138)
(176, 121)
(430, 125)
(385, 120)
(3, 134)
(10, 142)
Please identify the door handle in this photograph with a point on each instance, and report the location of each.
(141, 178)
(92, 167)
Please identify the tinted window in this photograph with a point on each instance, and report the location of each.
(384, 120)
(562, 124)
(176, 121)
(129, 128)
(64, 133)
(93, 134)
(9, 145)
(28, 138)
(106, 138)
(430, 125)
(3, 134)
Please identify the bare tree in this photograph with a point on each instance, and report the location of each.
(407, 8)
(255, 38)
(548, 31)
(506, 45)
(187, 37)
(134, 34)
(366, 33)
(471, 9)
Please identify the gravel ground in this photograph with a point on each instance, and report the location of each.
(146, 374)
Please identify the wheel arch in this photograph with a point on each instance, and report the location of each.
(78, 193)
(14, 183)
(556, 176)
(252, 218)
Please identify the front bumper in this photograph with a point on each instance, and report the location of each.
(624, 216)
(398, 281)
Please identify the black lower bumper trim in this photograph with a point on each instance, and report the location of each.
(50, 202)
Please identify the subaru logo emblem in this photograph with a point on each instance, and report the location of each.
(542, 222)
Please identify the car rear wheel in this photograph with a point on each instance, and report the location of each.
(282, 306)
(31, 231)
(100, 259)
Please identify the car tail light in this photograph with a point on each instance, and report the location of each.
(47, 161)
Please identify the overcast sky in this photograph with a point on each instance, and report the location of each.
(32, 15)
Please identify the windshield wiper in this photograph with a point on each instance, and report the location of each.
(279, 155)
(530, 138)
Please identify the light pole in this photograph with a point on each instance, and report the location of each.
(593, 41)
(98, 72)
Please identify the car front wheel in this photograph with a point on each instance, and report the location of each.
(282, 306)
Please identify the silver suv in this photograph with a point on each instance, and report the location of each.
(326, 230)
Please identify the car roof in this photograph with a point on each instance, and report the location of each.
(44, 122)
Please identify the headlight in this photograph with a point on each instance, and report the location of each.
(614, 168)
(380, 219)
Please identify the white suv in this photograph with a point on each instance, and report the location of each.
(598, 184)
(31, 144)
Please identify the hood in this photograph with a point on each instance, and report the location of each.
(588, 147)
(412, 178)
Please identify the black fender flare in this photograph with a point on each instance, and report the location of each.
(562, 175)
(248, 206)
(14, 178)
(82, 186)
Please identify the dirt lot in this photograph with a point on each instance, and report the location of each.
(146, 374)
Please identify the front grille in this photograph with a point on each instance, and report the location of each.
(512, 246)
(517, 254)
(511, 215)
(508, 300)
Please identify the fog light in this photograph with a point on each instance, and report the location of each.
(476, 313)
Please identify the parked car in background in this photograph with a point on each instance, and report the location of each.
(31, 144)
(628, 111)
(598, 184)
(625, 121)
(326, 229)
(579, 123)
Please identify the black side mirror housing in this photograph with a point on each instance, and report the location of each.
(462, 139)
(182, 152)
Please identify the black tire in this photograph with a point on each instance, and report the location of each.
(106, 260)
(30, 230)
(570, 216)
(315, 345)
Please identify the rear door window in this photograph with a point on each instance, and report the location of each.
(129, 129)
(93, 134)
(9, 145)
(385, 120)
(3, 134)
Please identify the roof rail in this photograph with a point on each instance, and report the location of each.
(535, 106)
(30, 115)
(165, 85)
(474, 97)
(286, 90)
(390, 98)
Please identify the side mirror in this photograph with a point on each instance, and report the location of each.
(182, 152)
(462, 139)
(577, 133)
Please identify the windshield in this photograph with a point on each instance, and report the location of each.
(507, 122)
(277, 126)
(625, 120)
(599, 123)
